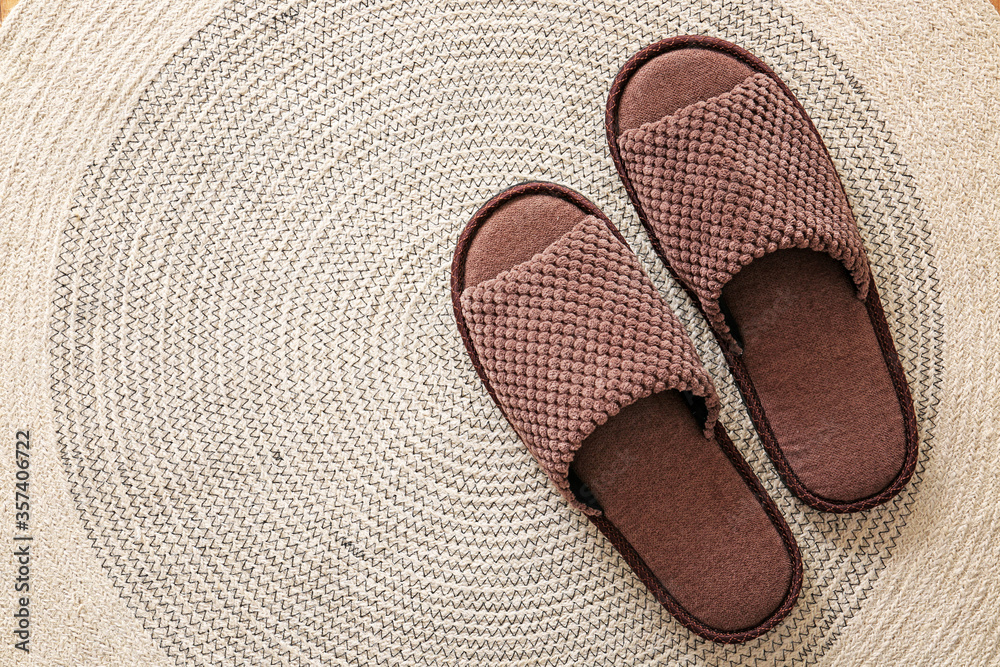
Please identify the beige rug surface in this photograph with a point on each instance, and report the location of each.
(255, 437)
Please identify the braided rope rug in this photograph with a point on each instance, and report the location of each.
(258, 437)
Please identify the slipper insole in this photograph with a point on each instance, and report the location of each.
(685, 509)
(811, 353)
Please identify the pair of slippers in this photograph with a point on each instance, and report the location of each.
(596, 374)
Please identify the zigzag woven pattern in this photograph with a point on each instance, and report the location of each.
(280, 450)
(726, 180)
(574, 335)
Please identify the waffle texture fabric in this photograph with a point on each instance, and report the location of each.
(732, 178)
(256, 436)
(572, 336)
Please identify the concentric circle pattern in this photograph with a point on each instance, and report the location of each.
(275, 438)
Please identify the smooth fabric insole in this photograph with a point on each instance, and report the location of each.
(685, 509)
(811, 353)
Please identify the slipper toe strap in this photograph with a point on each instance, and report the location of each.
(573, 335)
(727, 180)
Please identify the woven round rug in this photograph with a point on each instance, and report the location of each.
(271, 444)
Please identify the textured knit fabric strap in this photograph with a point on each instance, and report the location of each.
(572, 336)
(727, 180)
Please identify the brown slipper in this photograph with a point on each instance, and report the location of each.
(742, 201)
(596, 375)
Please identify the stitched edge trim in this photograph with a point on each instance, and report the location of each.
(872, 303)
